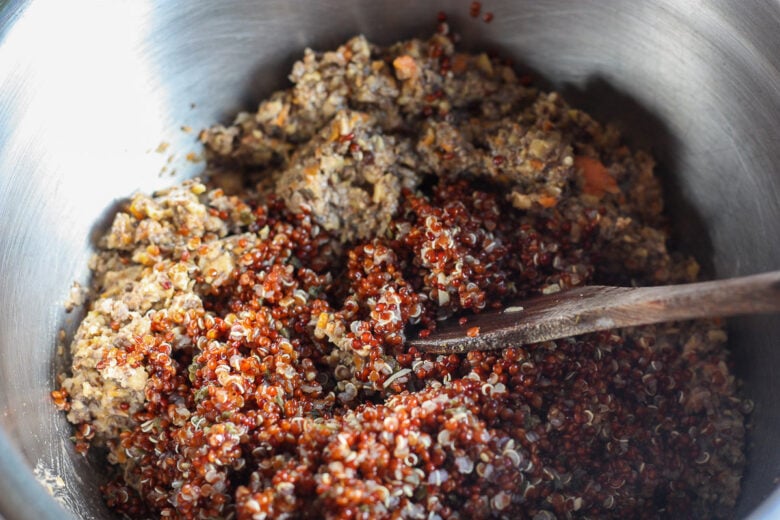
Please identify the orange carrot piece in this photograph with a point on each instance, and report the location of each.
(597, 179)
(405, 67)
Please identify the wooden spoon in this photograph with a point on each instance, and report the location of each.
(595, 307)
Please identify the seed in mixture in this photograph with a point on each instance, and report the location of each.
(244, 353)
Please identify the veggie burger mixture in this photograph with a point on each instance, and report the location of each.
(244, 351)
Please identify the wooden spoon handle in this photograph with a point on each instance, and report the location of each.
(594, 308)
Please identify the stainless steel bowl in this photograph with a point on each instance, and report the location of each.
(90, 88)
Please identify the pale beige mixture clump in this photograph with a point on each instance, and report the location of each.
(148, 270)
(353, 195)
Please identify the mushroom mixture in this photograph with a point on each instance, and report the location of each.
(243, 354)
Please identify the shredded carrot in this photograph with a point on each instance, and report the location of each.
(446, 146)
(281, 117)
(405, 67)
(597, 179)
(547, 201)
(536, 164)
(428, 138)
(335, 132)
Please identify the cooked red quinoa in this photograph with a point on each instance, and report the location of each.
(244, 352)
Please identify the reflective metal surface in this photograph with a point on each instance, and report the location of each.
(91, 88)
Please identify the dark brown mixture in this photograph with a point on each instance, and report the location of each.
(244, 352)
